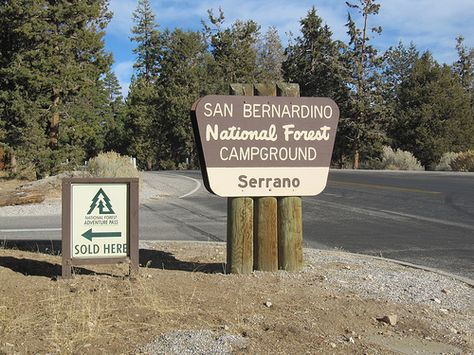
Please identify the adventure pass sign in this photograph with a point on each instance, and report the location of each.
(99, 222)
(265, 146)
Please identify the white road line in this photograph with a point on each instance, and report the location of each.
(198, 186)
(432, 220)
(30, 230)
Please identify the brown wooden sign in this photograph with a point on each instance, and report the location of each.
(265, 146)
(99, 222)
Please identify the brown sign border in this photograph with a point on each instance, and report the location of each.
(132, 215)
(206, 164)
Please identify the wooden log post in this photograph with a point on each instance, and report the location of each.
(265, 216)
(266, 234)
(240, 218)
(290, 222)
(239, 235)
(290, 234)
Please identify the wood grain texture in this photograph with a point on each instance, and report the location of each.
(265, 234)
(239, 235)
(290, 234)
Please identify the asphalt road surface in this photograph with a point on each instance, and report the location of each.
(420, 217)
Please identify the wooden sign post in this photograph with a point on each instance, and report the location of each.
(99, 222)
(263, 147)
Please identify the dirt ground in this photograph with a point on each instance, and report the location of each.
(181, 286)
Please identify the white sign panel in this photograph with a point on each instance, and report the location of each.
(99, 220)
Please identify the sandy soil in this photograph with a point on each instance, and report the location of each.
(181, 287)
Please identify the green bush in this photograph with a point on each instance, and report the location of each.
(464, 161)
(399, 160)
(445, 161)
(111, 164)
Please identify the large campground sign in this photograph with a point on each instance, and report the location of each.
(100, 222)
(265, 146)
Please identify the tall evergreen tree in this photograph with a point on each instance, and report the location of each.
(234, 49)
(52, 53)
(146, 34)
(365, 124)
(433, 113)
(140, 122)
(141, 102)
(184, 77)
(397, 67)
(314, 61)
(270, 57)
(464, 68)
(116, 139)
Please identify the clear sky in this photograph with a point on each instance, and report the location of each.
(430, 24)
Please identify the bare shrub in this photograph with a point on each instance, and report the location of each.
(112, 164)
(445, 161)
(464, 161)
(399, 160)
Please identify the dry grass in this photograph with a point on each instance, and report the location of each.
(102, 311)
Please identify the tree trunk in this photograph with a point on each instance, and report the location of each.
(13, 163)
(356, 159)
(54, 126)
(149, 165)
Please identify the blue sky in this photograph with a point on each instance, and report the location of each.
(430, 24)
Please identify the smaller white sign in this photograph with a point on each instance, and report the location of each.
(99, 221)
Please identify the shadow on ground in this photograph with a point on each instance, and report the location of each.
(155, 259)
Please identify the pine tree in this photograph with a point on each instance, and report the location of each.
(397, 67)
(185, 76)
(433, 113)
(365, 125)
(142, 99)
(464, 68)
(314, 61)
(234, 49)
(146, 34)
(52, 53)
(270, 57)
(116, 137)
(140, 116)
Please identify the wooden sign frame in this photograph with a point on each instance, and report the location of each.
(68, 261)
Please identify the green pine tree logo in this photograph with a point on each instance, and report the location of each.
(102, 202)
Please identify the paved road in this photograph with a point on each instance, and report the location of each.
(423, 218)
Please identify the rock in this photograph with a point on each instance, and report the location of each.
(444, 310)
(391, 319)
(351, 340)
(436, 300)
(453, 330)
(332, 345)
(268, 304)
(445, 291)
(346, 267)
